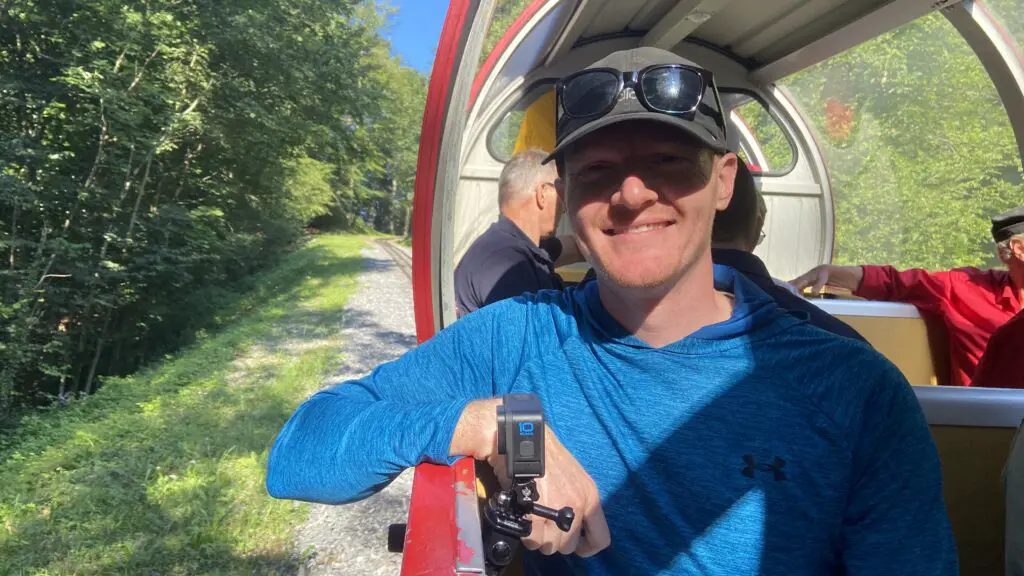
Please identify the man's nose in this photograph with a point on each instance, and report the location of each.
(634, 194)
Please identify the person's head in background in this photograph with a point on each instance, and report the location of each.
(740, 225)
(1008, 233)
(527, 194)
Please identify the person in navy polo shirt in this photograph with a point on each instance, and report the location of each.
(517, 254)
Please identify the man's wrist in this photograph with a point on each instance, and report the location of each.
(476, 432)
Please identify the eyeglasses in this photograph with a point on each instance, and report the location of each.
(674, 89)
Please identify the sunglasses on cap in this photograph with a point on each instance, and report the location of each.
(673, 89)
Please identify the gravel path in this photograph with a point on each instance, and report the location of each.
(351, 540)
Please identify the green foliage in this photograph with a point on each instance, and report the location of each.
(155, 153)
(163, 472)
(308, 183)
(918, 145)
(505, 14)
(769, 135)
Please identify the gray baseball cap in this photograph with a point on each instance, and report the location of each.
(706, 124)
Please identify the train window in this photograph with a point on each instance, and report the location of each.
(1009, 13)
(919, 149)
(533, 48)
(506, 12)
(530, 123)
(762, 143)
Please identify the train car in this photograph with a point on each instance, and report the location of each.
(841, 105)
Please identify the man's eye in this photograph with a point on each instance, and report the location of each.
(592, 170)
(671, 160)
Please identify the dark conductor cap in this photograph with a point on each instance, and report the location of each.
(1008, 224)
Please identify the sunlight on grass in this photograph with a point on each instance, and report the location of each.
(163, 471)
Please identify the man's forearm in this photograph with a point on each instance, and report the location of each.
(341, 446)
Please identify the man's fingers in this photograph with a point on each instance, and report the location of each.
(820, 281)
(497, 464)
(816, 279)
(596, 535)
(571, 541)
(552, 539)
(537, 539)
(801, 282)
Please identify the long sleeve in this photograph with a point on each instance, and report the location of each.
(896, 520)
(925, 290)
(349, 441)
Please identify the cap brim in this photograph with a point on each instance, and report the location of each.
(690, 127)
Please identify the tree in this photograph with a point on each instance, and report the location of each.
(919, 148)
(150, 150)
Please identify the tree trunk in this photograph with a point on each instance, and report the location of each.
(6, 8)
(78, 197)
(138, 73)
(103, 249)
(14, 235)
(394, 204)
(138, 197)
(96, 357)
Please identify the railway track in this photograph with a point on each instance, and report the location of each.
(399, 256)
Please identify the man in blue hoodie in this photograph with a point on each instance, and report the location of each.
(693, 425)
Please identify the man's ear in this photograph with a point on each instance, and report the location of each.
(1017, 248)
(539, 197)
(726, 180)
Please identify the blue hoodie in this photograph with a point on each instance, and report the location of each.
(758, 445)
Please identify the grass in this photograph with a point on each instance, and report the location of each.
(163, 472)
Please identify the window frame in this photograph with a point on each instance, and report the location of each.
(506, 110)
(773, 113)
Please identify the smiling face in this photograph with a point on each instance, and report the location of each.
(642, 199)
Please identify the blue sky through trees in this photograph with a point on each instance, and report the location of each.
(415, 30)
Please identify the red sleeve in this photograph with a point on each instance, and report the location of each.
(925, 290)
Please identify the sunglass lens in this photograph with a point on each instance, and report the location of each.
(672, 89)
(589, 93)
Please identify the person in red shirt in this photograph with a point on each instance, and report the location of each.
(1000, 366)
(972, 303)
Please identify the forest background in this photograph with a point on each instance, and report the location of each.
(155, 155)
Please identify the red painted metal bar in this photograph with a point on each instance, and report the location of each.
(431, 542)
(442, 80)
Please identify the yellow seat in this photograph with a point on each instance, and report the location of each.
(918, 346)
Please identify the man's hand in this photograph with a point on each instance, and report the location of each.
(565, 483)
(848, 277)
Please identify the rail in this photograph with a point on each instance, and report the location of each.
(402, 258)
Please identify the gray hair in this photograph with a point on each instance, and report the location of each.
(1004, 247)
(521, 174)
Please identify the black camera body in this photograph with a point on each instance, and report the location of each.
(521, 435)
